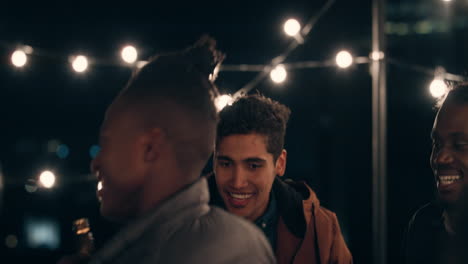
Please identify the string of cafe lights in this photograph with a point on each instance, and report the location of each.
(277, 70)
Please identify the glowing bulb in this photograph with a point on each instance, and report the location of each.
(47, 179)
(129, 54)
(80, 63)
(99, 186)
(278, 74)
(223, 100)
(447, 0)
(292, 27)
(377, 55)
(438, 88)
(19, 58)
(344, 59)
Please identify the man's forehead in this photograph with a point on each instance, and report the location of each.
(243, 146)
(451, 119)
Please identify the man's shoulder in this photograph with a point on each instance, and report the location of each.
(428, 214)
(227, 222)
(224, 237)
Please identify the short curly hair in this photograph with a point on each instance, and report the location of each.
(255, 114)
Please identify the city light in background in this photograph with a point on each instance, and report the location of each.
(19, 58)
(80, 63)
(278, 74)
(344, 59)
(93, 151)
(47, 179)
(292, 27)
(129, 54)
(11, 241)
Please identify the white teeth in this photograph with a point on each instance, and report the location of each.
(449, 179)
(240, 196)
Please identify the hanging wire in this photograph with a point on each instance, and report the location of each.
(279, 59)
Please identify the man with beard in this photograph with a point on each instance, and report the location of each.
(432, 231)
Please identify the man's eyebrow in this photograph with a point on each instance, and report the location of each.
(458, 135)
(221, 157)
(254, 159)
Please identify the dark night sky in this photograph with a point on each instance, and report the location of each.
(329, 134)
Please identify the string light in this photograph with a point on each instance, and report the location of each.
(222, 101)
(129, 54)
(292, 27)
(19, 58)
(278, 74)
(47, 179)
(438, 88)
(377, 55)
(344, 59)
(80, 64)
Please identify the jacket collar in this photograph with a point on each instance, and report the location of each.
(290, 199)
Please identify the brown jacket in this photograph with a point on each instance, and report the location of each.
(322, 241)
(306, 232)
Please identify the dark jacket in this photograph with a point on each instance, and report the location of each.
(306, 232)
(426, 237)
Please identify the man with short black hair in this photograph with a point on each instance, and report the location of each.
(248, 161)
(435, 229)
(155, 140)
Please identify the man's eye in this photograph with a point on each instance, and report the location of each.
(460, 145)
(224, 164)
(254, 166)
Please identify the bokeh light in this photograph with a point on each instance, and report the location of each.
(94, 151)
(11, 241)
(438, 88)
(129, 54)
(62, 151)
(377, 55)
(278, 74)
(292, 27)
(222, 101)
(344, 59)
(80, 64)
(30, 186)
(47, 179)
(19, 58)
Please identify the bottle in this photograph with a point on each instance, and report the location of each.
(84, 238)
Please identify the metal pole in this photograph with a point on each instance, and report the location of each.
(379, 141)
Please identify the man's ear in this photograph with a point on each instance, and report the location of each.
(152, 142)
(280, 166)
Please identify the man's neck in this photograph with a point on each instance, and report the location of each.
(450, 216)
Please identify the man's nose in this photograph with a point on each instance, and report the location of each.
(239, 178)
(444, 156)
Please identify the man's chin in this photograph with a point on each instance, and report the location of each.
(447, 201)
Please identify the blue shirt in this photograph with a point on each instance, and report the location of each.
(269, 221)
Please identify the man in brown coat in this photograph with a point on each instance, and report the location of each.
(248, 161)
